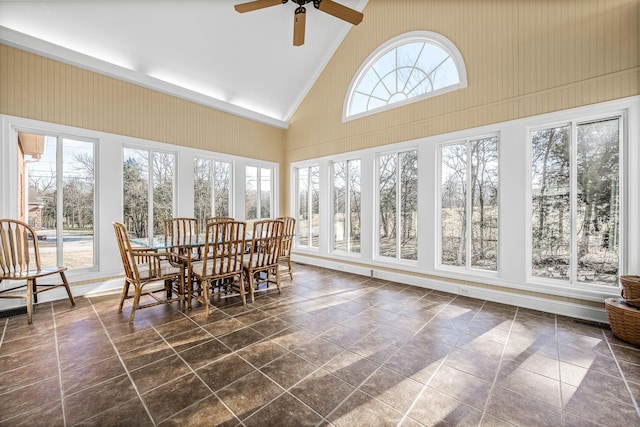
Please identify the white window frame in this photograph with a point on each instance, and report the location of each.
(232, 165)
(272, 190)
(626, 216)
(60, 137)
(468, 232)
(332, 248)
(295, 196)
(406, 38)
(376, 243)
(151, 150)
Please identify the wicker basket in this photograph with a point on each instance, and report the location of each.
(624, 320)
(631, 289)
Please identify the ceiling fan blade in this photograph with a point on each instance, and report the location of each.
(299, 22)
(255, 5)
(339, 11)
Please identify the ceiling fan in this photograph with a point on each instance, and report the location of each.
(332, 8)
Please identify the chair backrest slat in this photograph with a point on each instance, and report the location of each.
(15, 248)
(224, 247)
(287, 235)
(126, 252)
(265, 248)
(181, 231)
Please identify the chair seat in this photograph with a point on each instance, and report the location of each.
(31, 273)
(257, 262)
(220, 268)
(166, 269)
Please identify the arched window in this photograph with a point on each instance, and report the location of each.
(407, 68)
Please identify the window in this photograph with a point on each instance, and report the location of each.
(308, 206)
(398, 205)
(211, 189)
(575, 203)
(346, 206)
(60, 199)
(469, 165)
(148, 187)
(407, 68)
(258, 193)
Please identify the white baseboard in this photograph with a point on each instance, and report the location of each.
(548, 305)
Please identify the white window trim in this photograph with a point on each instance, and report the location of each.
(467, 267)
(412, 36)
(215, 159)
(176, 172)
(376, 245)
(513, 218)
(625, 212)
(295, 168)
(108, 188)
(350, 254)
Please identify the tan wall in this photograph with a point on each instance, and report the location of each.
(39, 88)
(523, 57)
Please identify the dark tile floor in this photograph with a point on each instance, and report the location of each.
(332, 349)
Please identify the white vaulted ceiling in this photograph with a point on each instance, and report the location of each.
(201, 50)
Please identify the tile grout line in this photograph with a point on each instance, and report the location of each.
(194, 372)
(404, 415)
(626, 383)
(495, 377)
(55, 339)
(4, 331)
(426, 385)
(126, 370)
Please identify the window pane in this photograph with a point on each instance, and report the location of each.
(388, 205)
(408, 70)
(78, 202)
(453, 212)
(339, 206)
(42, 201)
(251, 193)
(551, 204)
(598, 202)
(315, 206)
(222, 188)
(484, 198)
(265, 193)
(202, 190)
(163, 173)
(409, 205)
(136, 191)
(303, 206)
(354, 205)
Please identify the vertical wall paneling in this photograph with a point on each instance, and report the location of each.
(523, 58)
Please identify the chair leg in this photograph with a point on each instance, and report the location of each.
(290, 270)
(251, 273)
(136, 303)
(190, 279)
(30, 286)
(125, 292)
(278, 278)
(34, 291)
(67, 288)
(205, 298)
(242, 293)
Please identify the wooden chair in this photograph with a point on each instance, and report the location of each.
(287, 241)
(181, 237)
(20, 261)
(262, 265)
(143, 267)
(221, 266)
